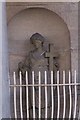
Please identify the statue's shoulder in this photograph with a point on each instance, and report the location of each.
(31, 53)
(29, 56)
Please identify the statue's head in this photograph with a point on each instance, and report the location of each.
(37, 40)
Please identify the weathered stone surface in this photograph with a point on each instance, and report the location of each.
(63, 32)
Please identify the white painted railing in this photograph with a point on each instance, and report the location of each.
(57, 85)
(27, 100)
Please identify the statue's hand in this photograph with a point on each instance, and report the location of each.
(21, 68)
(57, 66)
(20, 65)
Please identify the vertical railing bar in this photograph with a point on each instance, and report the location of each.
(45, 94)
(39, 95)
(52, 96)
(21, 109)
(70, 95)
(33, 94)
(15, 107)
(64, 95)
(75, 105)
(58, 110)
(27, 100)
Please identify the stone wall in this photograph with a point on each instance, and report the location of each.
(62, 29)
(67, 11)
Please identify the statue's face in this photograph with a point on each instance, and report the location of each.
(37, 43)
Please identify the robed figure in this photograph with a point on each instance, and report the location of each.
(36, 61)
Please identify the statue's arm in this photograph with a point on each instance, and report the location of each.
(23, 66)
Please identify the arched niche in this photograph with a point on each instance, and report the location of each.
(43, 21)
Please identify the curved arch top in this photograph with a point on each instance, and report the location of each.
(25, 7)
(45, 22)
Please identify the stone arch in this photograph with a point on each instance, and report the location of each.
(15, 12)
(54, 31)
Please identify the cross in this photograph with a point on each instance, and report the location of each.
(51, 55)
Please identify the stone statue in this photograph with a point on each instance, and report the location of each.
(36, 61)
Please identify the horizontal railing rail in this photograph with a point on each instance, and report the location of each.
(71, 86)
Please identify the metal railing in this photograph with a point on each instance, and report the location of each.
(72, 111)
